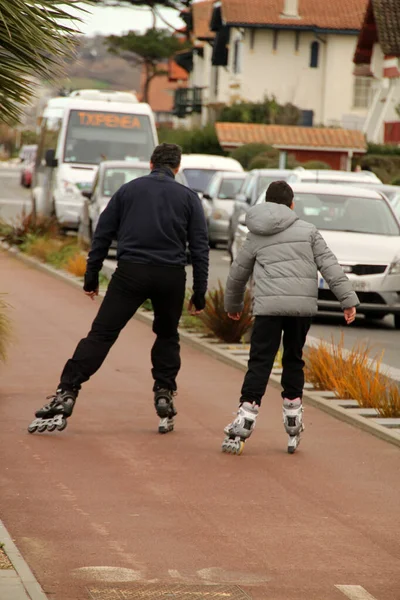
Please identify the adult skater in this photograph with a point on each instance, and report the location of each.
(283, 254)
(153, 218)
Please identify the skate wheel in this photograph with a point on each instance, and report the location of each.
(62, 425)
(32, 428)
(51, 426)
(240, 448)
(42, 427)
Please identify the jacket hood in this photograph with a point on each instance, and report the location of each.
(270, 218)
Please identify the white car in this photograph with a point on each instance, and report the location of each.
(362, 230)
(111, 175)
(197, 170)
(301, 175)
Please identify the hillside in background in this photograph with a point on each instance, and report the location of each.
(95, 67)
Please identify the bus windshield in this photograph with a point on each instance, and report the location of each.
(94, 136)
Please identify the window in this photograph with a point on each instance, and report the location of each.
(252, 38)
(275, 40)
(237, 57)
(297, 41)
(216, 82)
(229, 188)
(51, 127)
(314, 57)
(362, 92)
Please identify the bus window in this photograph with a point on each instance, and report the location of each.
(94, 136)
(49, 138)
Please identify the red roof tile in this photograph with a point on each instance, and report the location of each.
(201, 12)
(175, 72)
(324, 14)
(231, 135)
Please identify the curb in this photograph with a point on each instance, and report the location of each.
(340, 409)
(28, 580)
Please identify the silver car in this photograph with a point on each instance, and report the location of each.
(218, 202)
(361, 228)
(111, 175)
(256, 182)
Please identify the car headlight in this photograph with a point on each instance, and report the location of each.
(394, 268)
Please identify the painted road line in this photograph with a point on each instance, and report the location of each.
(355, 592)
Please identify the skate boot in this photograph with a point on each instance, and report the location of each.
(163, 401)
(54, 414)
(241, 428)
(293, 422)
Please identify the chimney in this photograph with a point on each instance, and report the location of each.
(290, 9)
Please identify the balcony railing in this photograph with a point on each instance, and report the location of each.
(187, 101)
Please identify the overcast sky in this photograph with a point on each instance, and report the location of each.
(116, 20)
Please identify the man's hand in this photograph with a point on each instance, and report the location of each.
(197, 304)
(235, 316)
(349, 315)
(92, 294)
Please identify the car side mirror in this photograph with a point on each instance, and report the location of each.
(87, 194)
(207, 196)
(50, 158)
(242, 220)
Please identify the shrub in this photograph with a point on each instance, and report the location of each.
(270, 160)
(395, 181)
(315, 164)
(16, 233)
(5, 328)
(350, 376)
(76, 265)
(200, 140)
(246, 153)
(217, 321)
(40, 247)
(267, 111)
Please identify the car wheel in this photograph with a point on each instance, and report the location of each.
(397, 321)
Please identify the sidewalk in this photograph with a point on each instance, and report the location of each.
(110, 510)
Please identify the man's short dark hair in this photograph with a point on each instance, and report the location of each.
(166, 155)
(280, 192)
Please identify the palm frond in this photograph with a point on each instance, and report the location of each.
(34, 37)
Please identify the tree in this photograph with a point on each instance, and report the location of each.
(148, 49)
(267, 112)
(34, 37)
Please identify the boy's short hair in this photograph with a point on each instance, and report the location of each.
(166, 155)
(280, 192)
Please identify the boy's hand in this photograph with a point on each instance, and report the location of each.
(234, 316)
(349, 315)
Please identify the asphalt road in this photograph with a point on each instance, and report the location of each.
(380, 335)
(111, 510)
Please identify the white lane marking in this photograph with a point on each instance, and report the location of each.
(355, 592)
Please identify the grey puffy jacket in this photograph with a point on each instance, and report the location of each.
(284, 255)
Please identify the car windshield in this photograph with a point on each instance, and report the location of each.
(265, 180)
(117, 176)
(346, 213)
(198, 179)
(94, 136)
(230, 187)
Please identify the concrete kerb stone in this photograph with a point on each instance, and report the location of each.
(32, 587)
(322, 400)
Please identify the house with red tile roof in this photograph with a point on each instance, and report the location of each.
(377, 57)
(298, 51)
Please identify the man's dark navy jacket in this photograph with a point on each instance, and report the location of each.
(153, 218)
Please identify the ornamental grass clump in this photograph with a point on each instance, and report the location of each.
(217, 322)
(5, 328)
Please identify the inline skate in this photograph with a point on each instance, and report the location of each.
(293, 422)
(164, 404)
(241, 428)
(54, 415)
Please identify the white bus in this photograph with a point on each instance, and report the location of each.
(79, 131)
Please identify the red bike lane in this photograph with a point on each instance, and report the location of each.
(109, 509)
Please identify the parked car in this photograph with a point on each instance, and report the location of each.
(218, 203)
(255, 183)
(360, 227)
(392, 193)
(301, 175)
(197, 170)
(111, 175)
(28, 159)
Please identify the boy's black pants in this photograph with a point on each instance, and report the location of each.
(130, 286)
(265, 342)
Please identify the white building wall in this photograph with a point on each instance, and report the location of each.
(285, 73)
